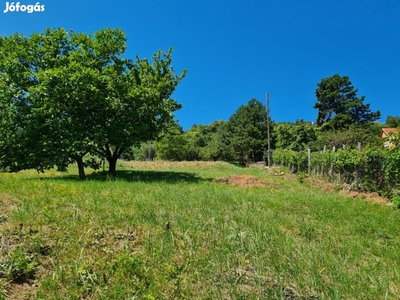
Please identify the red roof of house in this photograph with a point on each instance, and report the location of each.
(385, 131)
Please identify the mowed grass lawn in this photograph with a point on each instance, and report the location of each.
(169, 231)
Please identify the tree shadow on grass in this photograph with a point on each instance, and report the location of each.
(136, 176)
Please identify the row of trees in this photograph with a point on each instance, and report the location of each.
(218, 140)
(64, 95)
(343, 119)
(240, 139)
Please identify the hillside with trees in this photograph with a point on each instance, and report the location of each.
(344, 141)
(343, 120)
(70, 97)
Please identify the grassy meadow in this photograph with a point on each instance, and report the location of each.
(169, 231)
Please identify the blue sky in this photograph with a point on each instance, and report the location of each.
(237, 50)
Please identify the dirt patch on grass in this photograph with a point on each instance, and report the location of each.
(323, 185)
(371, 197)
(245, 181)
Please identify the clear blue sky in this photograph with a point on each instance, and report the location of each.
(237, 50)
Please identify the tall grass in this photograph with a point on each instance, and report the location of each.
(167, 231)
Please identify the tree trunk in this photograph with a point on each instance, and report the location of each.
(112, 166)
(241, 159)
(81, 168)
(112, 157)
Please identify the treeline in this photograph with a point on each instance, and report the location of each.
(246, 141)
(343, 120)
(240, 139)
(218, 140)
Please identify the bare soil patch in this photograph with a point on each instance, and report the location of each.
(323, 185)
(371, 197)
(245, 181)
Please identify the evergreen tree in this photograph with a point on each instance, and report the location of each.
(338, 105)
(248, 131)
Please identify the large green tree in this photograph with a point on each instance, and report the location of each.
(218, 146)
(172, 144)
(338, 105)
(209, 142)
(68, 94)
(198, 136)
(295, 136)
(248, 131)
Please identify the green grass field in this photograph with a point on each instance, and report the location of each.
(168, 231)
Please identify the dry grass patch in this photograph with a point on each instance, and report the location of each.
(371, 197)
(7, 204)
(330, 187)
(323, 184)
(20, 288)
(245, 181)
(23, 291)
(160, 165)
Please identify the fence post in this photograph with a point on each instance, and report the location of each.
(322, 163)
(331, 168)
(358, 173)
(309, 160)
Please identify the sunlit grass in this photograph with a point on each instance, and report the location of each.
(167, 231)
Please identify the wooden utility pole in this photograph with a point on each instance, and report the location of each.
(268, 132)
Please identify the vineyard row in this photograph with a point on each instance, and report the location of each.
(364, 169)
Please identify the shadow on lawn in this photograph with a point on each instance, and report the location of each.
(136, 176)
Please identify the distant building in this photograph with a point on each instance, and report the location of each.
(386, 133)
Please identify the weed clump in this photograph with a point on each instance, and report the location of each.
(396, 201)
(18, 266)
